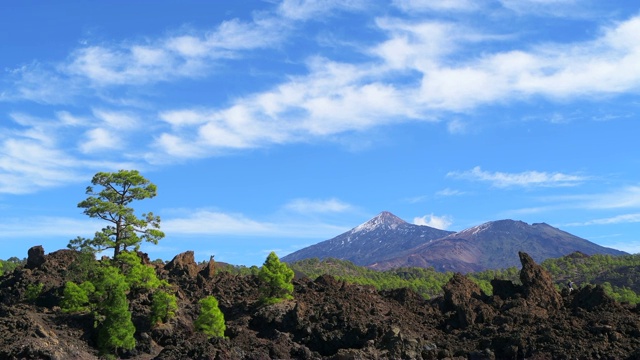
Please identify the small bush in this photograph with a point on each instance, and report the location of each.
(163, 307)
(76, 298)
(33, 292)
(211, 320)
(277, 278)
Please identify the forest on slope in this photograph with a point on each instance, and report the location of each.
(619, 275)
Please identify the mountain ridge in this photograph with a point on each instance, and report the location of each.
(377, 239)
(386, 242)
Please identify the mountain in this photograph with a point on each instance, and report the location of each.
(493, 245)
(386, 242)
(384, 237)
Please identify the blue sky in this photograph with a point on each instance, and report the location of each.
(273, 125)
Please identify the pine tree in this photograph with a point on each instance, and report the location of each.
(211, 320)
(116, 330)
(277, 278)
(163, 306)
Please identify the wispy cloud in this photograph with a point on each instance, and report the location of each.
(627, 197)
(411, 6)
(307, 9)
(306, 206)
(47, 226)
(414, 70)
(214, 223)
(438, 222)
(449, 192)
(523, 179)
(618, 219)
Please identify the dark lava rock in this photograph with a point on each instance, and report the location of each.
(537, 284)
(183, 264)
(36, 257)
(465, 298)
(327, 319)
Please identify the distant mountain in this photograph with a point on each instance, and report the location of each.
(384, 237)
(494, 245)
(386, 242)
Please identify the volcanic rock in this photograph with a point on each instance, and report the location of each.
(464, 297)
(36, 257)
(537, 284)
(183, 264)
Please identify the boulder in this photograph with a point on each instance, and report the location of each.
(35, 257)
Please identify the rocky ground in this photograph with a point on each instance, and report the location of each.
(328, 319)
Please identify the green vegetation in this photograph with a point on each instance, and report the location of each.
(163, 307)
(140, 277)
(33, 292)
(125, 229)
(619, 275)
(426, 282)
(116, 330)
(7, 266)
(210, 320)
(277, 278)
(75, 297)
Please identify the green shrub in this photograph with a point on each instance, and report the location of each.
(277, 278)
(211, 320)
(33, 292)
(138, 275)
(76, 298)
(163, 307)
(116, 330)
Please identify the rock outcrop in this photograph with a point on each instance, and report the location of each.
(465, 298)
(537, 285)
(183, 264)
(35, 257)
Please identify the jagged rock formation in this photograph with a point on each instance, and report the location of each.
(537, 284)
(329, 319)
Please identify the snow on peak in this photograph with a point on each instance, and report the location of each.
(476, 229)
(384, 219)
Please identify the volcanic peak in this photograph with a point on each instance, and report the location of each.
(383, 220)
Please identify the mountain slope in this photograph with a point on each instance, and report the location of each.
(381, 238)
(494, 245)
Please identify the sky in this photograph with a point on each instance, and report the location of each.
(274, 125)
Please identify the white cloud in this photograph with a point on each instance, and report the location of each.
(523, 179)
(449, 192)
(421, 69)
(99, 139)
(619, 219)
(47, 226)
(318, 206)
(411, 6)
(116, 119)
(206, 222)
(571, 8)
(627, 197)
(308, 9)
(28, 165)
(438, 222)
